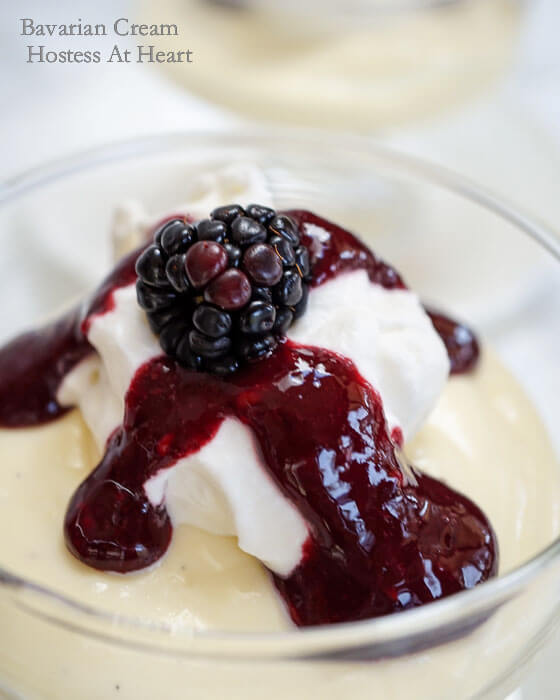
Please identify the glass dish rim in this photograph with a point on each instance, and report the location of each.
(425, 620)
(361, 10)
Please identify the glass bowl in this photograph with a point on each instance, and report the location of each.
(341, 64)
(496, 264)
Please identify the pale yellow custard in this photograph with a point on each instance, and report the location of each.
(484, 439)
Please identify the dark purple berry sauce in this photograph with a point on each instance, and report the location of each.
(33, 365)
(382, 536)
(335, 250)
(31, 369)
(381, 539)
(459, 340)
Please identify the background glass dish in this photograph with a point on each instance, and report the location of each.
(341, 64)
(472, 645)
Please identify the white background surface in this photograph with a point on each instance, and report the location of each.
(52, 110)
(509, 141)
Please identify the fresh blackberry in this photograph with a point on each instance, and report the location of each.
(282, 225)
(283, 249)
(209, 230)
(219, 293)
(154, 298)
(176, 273)
(284, 319)
(205, 261)
(302, 262)
(301, 307)
(209, 348)
(263, 265)
(176, 237)
(289, 290)
(150, 267)
(230, 291)
(253, 349)
(234, 254)
(211, 321)
(246, 231)
(261, 214)
(262, 293)
(227, 213)
(258, 318)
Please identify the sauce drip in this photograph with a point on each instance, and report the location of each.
(382, 537)
(33, 365)
(459, 340)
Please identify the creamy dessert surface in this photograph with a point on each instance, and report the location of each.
(484, 438)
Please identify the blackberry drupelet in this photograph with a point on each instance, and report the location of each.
(220, 292)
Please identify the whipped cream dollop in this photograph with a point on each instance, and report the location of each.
(240, 182)
(224, 487)
(388, 336)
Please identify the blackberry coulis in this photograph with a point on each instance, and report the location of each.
(403, 542)
(219, 293)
